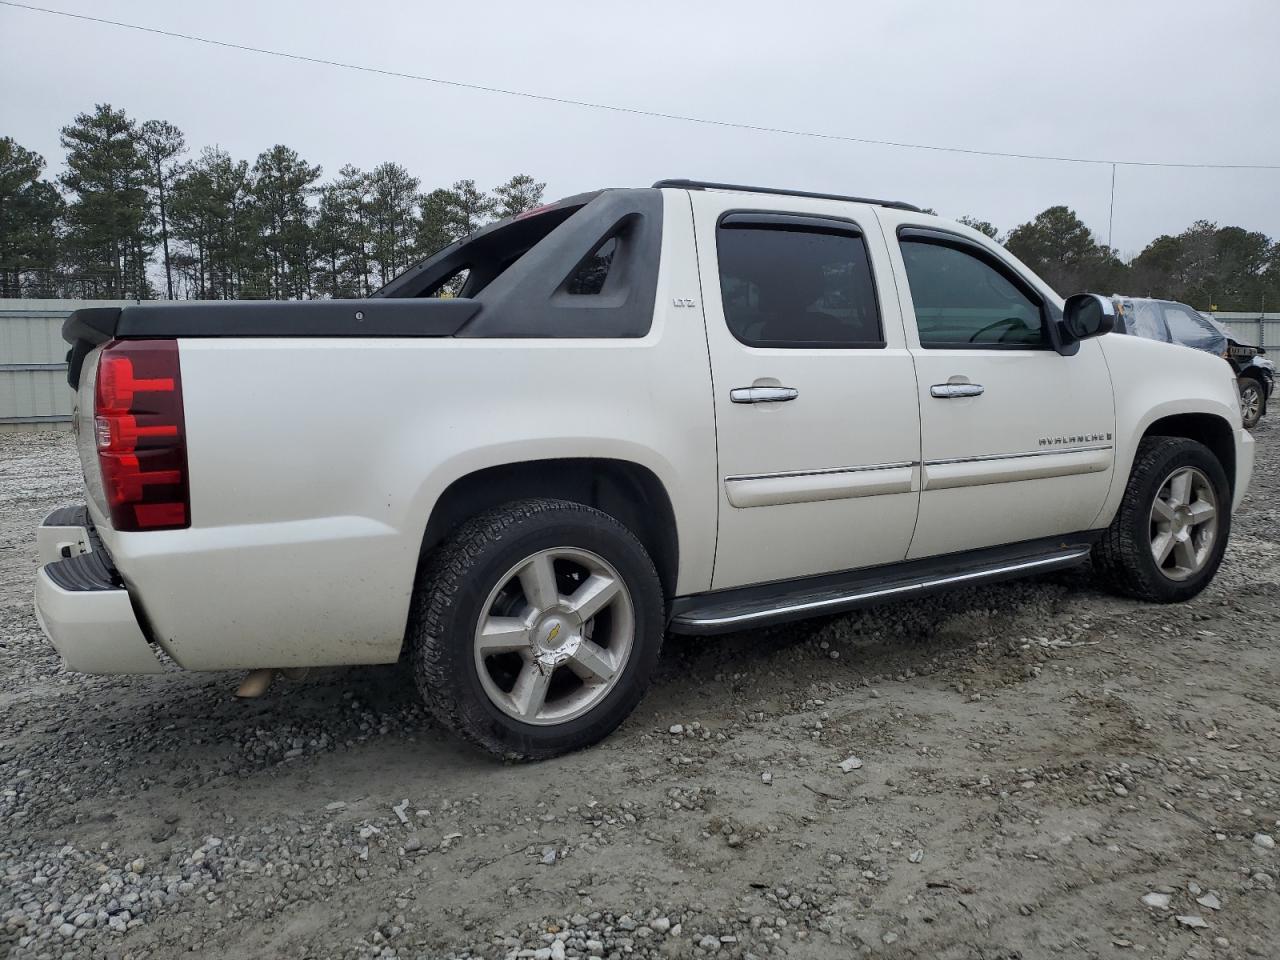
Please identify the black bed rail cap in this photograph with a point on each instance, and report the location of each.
(94, 325)
(777, 191)
(85, 329)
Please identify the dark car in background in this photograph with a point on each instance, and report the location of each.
(1174, 322)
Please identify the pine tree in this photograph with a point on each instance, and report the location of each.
(353, 195)
(162, 143)
(283, 182)
(1059, 247)
(435, 223)
(334, 276)
(393, 195)
(213, 222)
(468, 208)
(29, 212)
(109, 221)
(517, 195)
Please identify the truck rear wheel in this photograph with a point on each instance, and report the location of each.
(1167, 539)
(536, 627)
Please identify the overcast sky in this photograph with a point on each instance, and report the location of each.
(1170, 80)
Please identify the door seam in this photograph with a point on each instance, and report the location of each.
(915, 373)
(711, 375)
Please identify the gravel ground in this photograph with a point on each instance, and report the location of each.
(1041, 770)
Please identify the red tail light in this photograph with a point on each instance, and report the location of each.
(142, 441)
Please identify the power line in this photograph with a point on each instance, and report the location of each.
(635, 111)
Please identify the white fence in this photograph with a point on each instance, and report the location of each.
(33, 366)
(33, 362)
(1262, 329)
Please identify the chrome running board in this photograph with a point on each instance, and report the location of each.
(763, 604)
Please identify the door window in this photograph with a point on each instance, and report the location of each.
(793, 282)
(1193, 330)
(963, 300)
(1142, 318)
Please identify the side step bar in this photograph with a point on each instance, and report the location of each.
(765, 604)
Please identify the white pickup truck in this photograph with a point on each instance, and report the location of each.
(692, 408)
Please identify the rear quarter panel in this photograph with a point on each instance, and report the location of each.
(315, 464)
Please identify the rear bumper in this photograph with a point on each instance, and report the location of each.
(64, 533)
(81, 604)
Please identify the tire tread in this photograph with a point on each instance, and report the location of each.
(442, 576)
(1119, 557)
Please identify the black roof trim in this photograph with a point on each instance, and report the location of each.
(708, 185)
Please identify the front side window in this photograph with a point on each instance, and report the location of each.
(961, 300)
(797, 287)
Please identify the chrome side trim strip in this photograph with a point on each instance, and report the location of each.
(857, 596)
(812, 486)
(1019, 456)
(1040, 465)
(823, 472)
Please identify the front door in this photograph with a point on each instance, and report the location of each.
(1016, 439)
(815, 394)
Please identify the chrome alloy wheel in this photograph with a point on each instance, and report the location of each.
(1250, 401)
(1184, 523)
(554, 636)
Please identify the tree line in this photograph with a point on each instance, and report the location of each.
(1207, 266)
(134, 214)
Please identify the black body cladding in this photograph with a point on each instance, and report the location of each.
(531, 299)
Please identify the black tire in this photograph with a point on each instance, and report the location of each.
(446, 608)
(1251, 385)
(1123, 558)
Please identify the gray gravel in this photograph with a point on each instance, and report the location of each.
(1046, 771)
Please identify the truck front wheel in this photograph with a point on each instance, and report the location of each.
(535, 628)
(1253, 401)
(1167, 539)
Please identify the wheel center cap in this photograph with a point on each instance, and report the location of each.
(555, 639)
(1181, 519)
(553, 633)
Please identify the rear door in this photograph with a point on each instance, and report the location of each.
(1016, 439)
(815, 395)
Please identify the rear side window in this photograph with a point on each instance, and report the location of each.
(963, 300)
(795, 283)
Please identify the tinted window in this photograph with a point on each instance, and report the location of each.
(796, 288)
(1191, 329)
(589, 278)
(963, 301)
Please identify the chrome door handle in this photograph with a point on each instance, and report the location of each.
(949, 391)
(762, 394)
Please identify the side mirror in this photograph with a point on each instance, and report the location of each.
(1088, 315)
